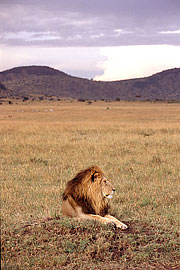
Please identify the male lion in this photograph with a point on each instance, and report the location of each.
(86, 196)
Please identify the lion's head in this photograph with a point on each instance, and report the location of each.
(91, 190)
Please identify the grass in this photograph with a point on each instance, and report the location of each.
(43, 145)
(57, 243)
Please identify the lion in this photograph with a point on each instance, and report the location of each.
(87, 195)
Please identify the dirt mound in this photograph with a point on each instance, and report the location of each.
(65, 244)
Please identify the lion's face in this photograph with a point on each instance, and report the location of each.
(107, 188)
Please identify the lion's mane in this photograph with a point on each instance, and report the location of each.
(87, 193)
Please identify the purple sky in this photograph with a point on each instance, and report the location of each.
(86, 26)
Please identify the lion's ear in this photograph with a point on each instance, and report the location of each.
(95, 176)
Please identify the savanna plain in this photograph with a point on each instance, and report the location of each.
(44, 144)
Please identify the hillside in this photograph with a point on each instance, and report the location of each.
(45, 81)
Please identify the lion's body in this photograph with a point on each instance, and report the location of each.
(87, 195)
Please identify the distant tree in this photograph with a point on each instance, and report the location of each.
(81, 100)
(90, 102)
(25, 99)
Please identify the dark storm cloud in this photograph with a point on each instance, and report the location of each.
(89, 23)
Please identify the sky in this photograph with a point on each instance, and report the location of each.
(94, 39)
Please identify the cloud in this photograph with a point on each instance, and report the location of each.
(81, 62)
(99, 23)
(77, 36)
(119, 32)
(32, 36)
(100, 63)
(128, 62)
(170, 32)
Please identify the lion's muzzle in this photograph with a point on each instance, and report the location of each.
(109, 196)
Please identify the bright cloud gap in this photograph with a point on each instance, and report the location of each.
(100, 63)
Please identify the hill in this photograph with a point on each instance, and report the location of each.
(45, 81)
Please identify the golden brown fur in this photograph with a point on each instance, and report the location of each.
(87, 196)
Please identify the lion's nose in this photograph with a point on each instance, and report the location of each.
(114, 189)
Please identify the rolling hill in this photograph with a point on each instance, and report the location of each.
(31, 81)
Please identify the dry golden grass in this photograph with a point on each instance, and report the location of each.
(137, 145)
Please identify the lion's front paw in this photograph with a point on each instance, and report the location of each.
(122, 226)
